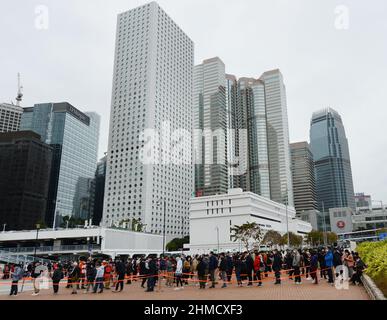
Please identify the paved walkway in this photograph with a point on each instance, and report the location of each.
(286, 291)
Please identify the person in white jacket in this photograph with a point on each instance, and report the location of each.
(179, 272)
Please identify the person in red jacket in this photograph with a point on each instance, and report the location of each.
(258, 265)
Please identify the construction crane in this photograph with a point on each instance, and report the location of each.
(19, 91)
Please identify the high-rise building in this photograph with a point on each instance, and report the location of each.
(152, 91)
(304, 185)
(257, 138)
(281, 186)
(100, 177)
(332, 162)
(251, 115)
(210, 118)
(25, 164)
(363, 202)
(73, 135)
(10, 116)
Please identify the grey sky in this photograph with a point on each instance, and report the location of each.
(322, 66)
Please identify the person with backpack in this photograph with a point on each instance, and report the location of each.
(57, 276)
(16, 275)
(202, 273)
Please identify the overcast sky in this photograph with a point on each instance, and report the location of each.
(326, 59)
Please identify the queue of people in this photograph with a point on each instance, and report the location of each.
(207, 270)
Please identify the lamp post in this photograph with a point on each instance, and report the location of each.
(36, 241)
(165, 210)
(217, 230)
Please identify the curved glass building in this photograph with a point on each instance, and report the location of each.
(332, 162)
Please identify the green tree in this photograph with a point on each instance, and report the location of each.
(247, 233)
(295, 240)
(42, 224)
(272, 237)
(177, 244)
(72, 222)
(332, 237)
(315, 238)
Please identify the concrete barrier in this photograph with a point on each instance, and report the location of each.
(373, 291)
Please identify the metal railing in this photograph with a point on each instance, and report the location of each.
(7, 257)
(50, 249)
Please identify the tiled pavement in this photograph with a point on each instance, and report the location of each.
(286, 291)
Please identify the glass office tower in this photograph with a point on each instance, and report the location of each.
(74, 137)
(330, 150)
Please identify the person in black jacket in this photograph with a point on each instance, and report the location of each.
(143, 272)
(277, 265)
(129, 271)
(74, 275)
(250, 268)
(120, 270)
(212, 266)
(152, 274)
(56, 278)
(91, 273)
(223, 269)
(202, 268)
(230, 266)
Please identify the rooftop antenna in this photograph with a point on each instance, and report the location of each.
(19, 91)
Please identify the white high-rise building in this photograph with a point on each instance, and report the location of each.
(152, 85)
(10, 116)
(278, 138)
(210, 115)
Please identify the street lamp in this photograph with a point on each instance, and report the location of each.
(36, 241)
(165, 210)
(217, 230)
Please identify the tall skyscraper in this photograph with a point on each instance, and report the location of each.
(25, 164)
(210, 116)
(332, 162)
(152, 89)
(257, 150)
(251, 115)
(74, 137)
(10, 116)
(304, 185)
(278, 138)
